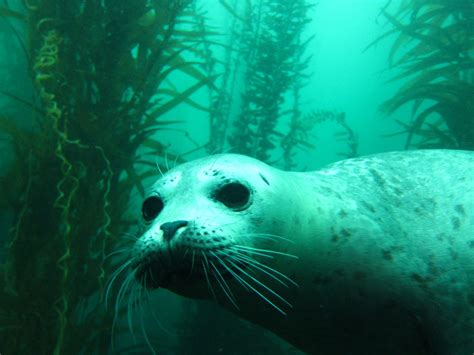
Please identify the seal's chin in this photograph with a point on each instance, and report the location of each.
(153, 273)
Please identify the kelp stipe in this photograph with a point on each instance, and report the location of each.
(100, 72)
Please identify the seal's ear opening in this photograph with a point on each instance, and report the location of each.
(151, 208)
(234, 195)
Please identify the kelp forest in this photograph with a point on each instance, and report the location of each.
(91, 89)
(434, 55)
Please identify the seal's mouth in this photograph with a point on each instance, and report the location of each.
(152, 273)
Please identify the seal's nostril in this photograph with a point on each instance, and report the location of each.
(170, 228)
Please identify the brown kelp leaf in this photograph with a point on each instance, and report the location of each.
(162, 109)
(6, 12)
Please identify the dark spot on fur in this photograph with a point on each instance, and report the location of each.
(431, 203)
(276, 223)
(321, 280)
(339, 272)
(456, 223)
(257, 221)
(387, 254)
(368, 206)
(264, 179)
(342, 214)
(359, 275)
(422, 281)
(471, 244)
(334, 238)
(377, 178)
(418, 211)
(454, 254)
(339, 196)
(326, 190)
(398, 191)
(440, 236)
(345, 233)
(460, 209)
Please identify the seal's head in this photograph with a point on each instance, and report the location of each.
(206, 222)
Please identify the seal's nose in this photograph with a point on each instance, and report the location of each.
(170, 228)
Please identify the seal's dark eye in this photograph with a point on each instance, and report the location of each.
(151, 208)
(234, 195)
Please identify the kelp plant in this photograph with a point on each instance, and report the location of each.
(433, 50)
(97, 67)
(272, 51)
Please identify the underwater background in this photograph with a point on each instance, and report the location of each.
(94, 95)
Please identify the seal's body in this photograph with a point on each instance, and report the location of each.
(372, 255)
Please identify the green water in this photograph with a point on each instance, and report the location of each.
(95, 94)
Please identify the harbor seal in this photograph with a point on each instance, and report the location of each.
(371, 255)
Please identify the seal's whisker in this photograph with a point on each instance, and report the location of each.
(192, 262)
(218, 258)
(237, 251)
(122, 291)
(223, 284)
(118, 301)
(261, 284)
(124, 250)
(127, 289)
(116, 313)
(113, 278)
(112, 340)
(243, 247)
(266, 269)
(155, 318)
(131, 306)
(142, 323)
(175, 163)
(184, 256)
(129, 236)
(261, 295)
(166, 162)
(232, 272)
(158, 167)
(145, 336)
(205, 267)
(269, 236)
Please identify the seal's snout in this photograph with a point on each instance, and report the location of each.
(169, 228)
(158, 254)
